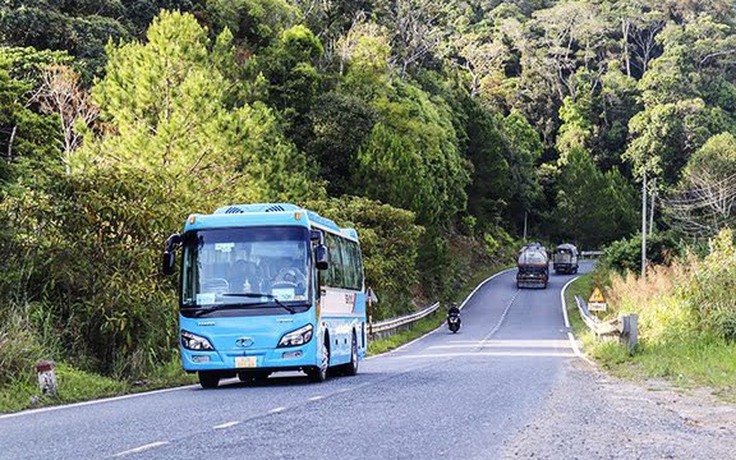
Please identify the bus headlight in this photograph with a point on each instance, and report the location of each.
(194, 342)
(298, 337)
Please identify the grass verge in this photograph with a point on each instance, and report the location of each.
(687, 362)
(75, 386)
(433, 321)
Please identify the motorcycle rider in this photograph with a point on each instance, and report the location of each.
(453, 312)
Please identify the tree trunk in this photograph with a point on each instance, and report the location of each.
(9, 155)
(625, 27)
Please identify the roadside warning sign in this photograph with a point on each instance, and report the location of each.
(597, 302)
(371, 296)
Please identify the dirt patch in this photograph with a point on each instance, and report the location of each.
(590, 414)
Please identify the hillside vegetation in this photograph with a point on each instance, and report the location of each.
(687, 319)
(435, 128)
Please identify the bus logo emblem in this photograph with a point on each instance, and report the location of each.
(244, 342)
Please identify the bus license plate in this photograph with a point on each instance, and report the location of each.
(245, 361)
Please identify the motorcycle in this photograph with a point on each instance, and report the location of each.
(453, 319)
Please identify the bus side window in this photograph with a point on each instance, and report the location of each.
(357, 266)
(334, 272)
(352, 281)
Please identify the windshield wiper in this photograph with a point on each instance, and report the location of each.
(199, 311)
(256, 295)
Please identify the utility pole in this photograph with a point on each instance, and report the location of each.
(651, 209)
(644, 226)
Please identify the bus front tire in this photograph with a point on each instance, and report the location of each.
(318, 374)
(208, 380)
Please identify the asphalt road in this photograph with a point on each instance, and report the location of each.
(446, 396)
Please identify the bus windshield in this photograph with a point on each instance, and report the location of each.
(252, 266)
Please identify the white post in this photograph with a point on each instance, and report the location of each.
(46, 377)
(525, 217)
(644, 227)
(651, 210)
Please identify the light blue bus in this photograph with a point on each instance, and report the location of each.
(267, 288)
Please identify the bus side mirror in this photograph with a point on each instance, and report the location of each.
(169, 260)
(321, 257)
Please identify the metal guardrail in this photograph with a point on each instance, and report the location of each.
(590, 254)
(391, 326)
(625, 327)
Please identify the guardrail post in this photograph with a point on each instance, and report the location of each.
(630, 331)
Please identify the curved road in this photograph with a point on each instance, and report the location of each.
(455, 396)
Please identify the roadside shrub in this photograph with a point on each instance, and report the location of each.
(691, 297)
(663, 313)
(625, 254)
(19, 348)
(710, 291)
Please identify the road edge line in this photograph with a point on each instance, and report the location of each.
(95, 401)
(422, 337)
(570, 335)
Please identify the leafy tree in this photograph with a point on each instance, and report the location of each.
(482, 142)
(411, 159)
(289, 67)
(27, 138)
(705, 199)
(164, 101)
(255, 23)
(524, 150)
(665, 135)
(592, 208)
(341, 123)
(618, 103)
(57, 26)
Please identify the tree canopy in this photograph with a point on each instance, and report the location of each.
(440, 130)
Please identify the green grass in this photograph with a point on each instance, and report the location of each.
(421, 327)
(433, 321)
(698, 360)
(75, 385)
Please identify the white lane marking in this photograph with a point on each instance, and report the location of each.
(467, 299)
(500, 320)
(513, 354)
(142, 448)
(225, 425)
(277, 410)
(564, 304)
(443, 324)
(544, 343)
(316, 398)
(570, 336)
(96, 401)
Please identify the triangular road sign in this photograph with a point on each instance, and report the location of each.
(597, 296)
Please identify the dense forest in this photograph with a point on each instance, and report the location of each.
(438, 129)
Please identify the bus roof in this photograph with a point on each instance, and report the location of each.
(265, 214)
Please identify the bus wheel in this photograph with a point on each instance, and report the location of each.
(319, 374)
(351, 368)
(208, 379)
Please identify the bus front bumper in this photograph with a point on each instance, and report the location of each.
(257, 360)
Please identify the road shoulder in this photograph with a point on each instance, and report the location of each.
(607, 417)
